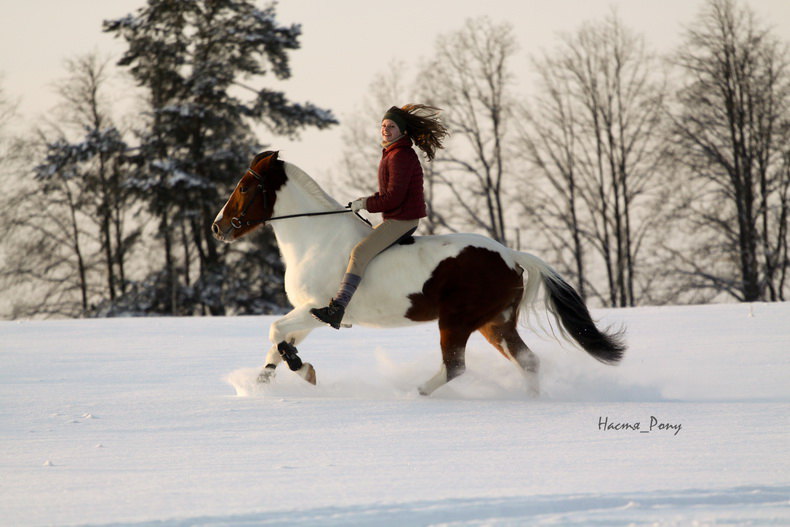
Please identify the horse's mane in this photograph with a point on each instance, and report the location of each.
(308, 184)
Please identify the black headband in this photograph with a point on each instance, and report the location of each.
(396, 118)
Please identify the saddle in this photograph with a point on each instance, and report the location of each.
(406, 239)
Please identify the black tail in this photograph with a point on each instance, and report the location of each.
(575, 318)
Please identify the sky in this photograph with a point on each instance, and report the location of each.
(345, 44)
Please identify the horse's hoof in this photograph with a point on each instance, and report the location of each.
(307, 372)
(267, 374)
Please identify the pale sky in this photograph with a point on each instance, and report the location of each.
(345, 44)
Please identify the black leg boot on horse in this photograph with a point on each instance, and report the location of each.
(333, 313)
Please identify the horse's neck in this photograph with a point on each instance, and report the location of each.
(309, 238)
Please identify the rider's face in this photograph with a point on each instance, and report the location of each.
(390, 131)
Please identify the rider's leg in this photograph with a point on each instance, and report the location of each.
(383, 236)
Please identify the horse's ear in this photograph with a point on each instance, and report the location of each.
(266, 159)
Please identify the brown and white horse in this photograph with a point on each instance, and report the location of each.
(467, 282)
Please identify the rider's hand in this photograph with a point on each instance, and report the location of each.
(358, 204)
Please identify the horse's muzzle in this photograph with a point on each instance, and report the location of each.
(219, 233)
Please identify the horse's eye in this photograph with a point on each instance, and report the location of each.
(243, 190)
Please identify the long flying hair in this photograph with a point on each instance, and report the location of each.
(423, 126)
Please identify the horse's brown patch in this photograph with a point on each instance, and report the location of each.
(467, 290)
(253, 195)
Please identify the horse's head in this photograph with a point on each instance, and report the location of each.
(252, 201)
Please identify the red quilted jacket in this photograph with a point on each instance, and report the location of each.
(400, 195)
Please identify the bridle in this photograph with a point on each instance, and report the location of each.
(237, 223)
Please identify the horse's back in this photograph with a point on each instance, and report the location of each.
(426, 252)
(404, 285)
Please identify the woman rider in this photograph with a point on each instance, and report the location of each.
(400, 198)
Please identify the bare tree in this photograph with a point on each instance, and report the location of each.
(732, 133)
(8, 150)
(594, 135)
(46, 239)
(469, 76)
(42, 271)
(10, 163)
(87, 110)
(61, 221)
(548, 132)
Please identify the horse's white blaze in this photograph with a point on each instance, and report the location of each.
(220, 235)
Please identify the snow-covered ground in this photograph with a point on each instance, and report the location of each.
(151, 421)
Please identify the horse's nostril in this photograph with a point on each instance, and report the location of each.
(215, 228)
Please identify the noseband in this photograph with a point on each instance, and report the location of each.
(237, 223)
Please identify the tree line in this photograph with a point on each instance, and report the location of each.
(645, 179)
(115, 219)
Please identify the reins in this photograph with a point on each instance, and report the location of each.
(237, 223)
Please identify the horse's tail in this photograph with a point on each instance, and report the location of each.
(568, 309)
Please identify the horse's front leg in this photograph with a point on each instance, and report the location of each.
(285, 334)
(285, 350)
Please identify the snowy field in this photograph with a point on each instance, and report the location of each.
(158, 422)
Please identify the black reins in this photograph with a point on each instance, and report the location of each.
(237, 222)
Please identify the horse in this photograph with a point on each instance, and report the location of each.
(466, 282)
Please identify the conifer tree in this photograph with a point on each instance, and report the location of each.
(201, 64)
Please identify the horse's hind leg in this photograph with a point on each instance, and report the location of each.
(453, 340)
(502, 333)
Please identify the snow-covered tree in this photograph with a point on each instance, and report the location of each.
(201, 64)
(66, 223)
(103, 151)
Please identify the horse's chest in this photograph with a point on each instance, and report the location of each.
(310, 284)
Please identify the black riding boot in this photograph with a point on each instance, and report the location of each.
(333, 313)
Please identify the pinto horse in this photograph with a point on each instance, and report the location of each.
(465, 281)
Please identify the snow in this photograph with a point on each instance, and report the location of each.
(158, 420)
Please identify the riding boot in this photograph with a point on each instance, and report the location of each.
(333, 313)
